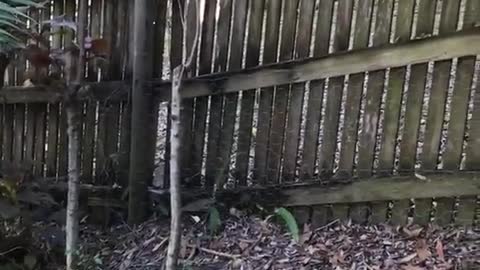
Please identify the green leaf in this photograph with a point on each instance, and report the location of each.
(8, 210)
(214, 220)
(98, 260)
(27, 3)
(4, 22)
(30, 261)
(9, 9)
(290, 221)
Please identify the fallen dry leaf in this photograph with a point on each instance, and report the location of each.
(412, 233)
(412, 267)
(307, 234)
(407, 258)
(338, 258)
(422, 250)
(439, 249)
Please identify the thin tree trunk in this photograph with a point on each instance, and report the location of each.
(72, 226)
(175, 140)
(74, 75)
(175, 158)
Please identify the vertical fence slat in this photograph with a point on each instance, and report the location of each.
(30, 135)
(466, 211)
(393, 102)
(231, 100)
(422, 211)
(334, 91)
(69, 11)
(472, 159)
(315, 97)
(52, 140)
(62, 143)
(54, 109)
(378, 213)
(358, 212)
(40, 124)
(280, 102)
(334, 97)
(444, 211)
(456, 126)
(295, 105)
(393, 99)
(95, 24)
(88, 141)
(2, 130)
(19, 121)
(376, 80)
(201, 103)
(186, 116)
(354, 94)
(266, 94)
(436, 110)
(114, 35)
(124, 147)
(89, 118)
(216, 101)
(400, 212)
(248, 96)
(436, 107)
(416, 87)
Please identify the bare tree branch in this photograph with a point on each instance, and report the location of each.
(189, 59)
(175, 142)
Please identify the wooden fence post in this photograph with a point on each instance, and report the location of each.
(141, 153)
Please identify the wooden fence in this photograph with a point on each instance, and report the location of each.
(360, 104)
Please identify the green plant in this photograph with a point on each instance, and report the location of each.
(290, 221)
(13, 14)
(214, 220)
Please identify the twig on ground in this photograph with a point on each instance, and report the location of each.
(216, 253)
(327, 225)
(10, 250)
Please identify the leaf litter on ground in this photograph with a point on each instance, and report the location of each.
(250, 242)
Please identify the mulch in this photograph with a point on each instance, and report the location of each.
(251, 242)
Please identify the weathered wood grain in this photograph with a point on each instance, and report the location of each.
(441, 76)
(201, 103)
(354, 94)
(436, 110)
(388, 188)
(296, 95)
(280, 102)
(416, 88)
(461, 43)
(393, 102)
(273, 8)
(18, 136)
(231, 99)
(334, 91)
(376, 82)
(248, 97)
(216, 102)
(315, 97)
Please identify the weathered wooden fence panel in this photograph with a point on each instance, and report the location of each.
(376, 99)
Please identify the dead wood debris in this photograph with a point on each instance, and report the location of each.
(253, 243)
